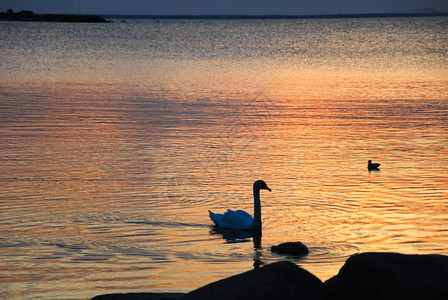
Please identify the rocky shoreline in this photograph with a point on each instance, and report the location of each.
(372, 275)
(27, 15)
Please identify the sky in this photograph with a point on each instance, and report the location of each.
(224, 7)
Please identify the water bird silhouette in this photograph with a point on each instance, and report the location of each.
(239, 219)
(373, 166)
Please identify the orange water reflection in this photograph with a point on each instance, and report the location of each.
(123, 185)
(108, 174)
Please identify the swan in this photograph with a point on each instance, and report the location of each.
(239, 219)
(372, 166)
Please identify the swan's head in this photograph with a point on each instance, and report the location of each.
(261, 185)
(370, 162)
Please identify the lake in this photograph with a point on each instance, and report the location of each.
(116, 139)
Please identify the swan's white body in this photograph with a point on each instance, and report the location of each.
(239, 219)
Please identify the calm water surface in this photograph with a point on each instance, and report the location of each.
(115, 140)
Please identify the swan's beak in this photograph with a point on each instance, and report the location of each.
(268, 189)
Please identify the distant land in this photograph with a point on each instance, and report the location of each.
(27, 15)
(230, 17)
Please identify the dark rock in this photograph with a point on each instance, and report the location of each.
(282, 280)
(390, 276)
(363, 276)
(140, 296)
(291, 248)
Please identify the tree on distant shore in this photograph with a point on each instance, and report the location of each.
(28, 13)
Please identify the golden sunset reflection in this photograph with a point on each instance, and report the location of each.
(112, 156)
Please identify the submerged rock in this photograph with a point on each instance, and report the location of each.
(291, 248)
(390, 276)
(282, 280)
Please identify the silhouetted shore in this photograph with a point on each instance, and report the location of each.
(27, 15)
(375, 275)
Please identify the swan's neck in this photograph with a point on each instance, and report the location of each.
(257, 210)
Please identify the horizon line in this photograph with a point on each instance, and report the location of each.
(275, 16)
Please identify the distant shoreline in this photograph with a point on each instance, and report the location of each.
(26, 15)
(263, 17)
(29, 16)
